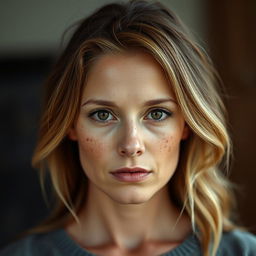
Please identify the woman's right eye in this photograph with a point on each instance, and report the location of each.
(102, 116)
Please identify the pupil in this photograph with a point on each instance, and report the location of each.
(103, 115)
(157, 114)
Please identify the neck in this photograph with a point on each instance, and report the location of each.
(104, 221)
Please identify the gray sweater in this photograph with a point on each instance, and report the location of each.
(58, 243)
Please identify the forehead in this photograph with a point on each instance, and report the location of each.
(134, 74)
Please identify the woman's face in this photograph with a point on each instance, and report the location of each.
(129, 118)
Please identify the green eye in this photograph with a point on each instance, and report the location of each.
(158, 115)
(101, 116)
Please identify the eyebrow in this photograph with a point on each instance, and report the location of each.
(112, 104)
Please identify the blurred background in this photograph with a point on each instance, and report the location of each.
(29, 43)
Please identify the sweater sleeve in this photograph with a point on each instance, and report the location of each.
(237, 243)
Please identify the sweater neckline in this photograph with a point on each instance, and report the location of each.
(67, 246)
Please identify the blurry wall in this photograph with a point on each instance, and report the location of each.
(232, 40)
(33, 27)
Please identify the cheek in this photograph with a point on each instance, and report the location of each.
(168, 145)
(90, 148)
(168, 155)
(91, 153)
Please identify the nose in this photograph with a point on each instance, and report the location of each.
(131, 142)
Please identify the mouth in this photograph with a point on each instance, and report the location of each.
(131, 174)
(131, 170)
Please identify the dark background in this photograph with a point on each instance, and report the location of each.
(21, 202)
(29, 44)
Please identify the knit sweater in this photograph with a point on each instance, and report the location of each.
(58, 243)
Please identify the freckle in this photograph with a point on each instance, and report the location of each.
(170, 144)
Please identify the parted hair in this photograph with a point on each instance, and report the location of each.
(199, 186)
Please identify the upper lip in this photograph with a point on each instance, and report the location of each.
(127, 169)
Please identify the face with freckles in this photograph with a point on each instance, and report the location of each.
(128, 118)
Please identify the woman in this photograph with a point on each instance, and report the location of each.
(133, 134)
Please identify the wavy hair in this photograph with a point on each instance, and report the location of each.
(198, 186)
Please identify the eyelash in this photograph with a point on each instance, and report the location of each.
(93, 114)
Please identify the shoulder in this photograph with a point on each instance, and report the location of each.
(32, 245)
(238, 242)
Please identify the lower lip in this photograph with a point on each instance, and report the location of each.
(131, 177)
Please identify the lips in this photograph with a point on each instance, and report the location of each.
(131, 174)
(131, 170)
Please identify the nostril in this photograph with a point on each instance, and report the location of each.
(131, 153)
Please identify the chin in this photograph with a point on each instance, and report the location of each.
(130, 197)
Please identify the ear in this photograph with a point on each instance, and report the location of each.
(72, 135)
(186, 132)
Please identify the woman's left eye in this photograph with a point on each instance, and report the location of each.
(158, 115)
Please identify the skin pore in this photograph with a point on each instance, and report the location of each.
(128, 118)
